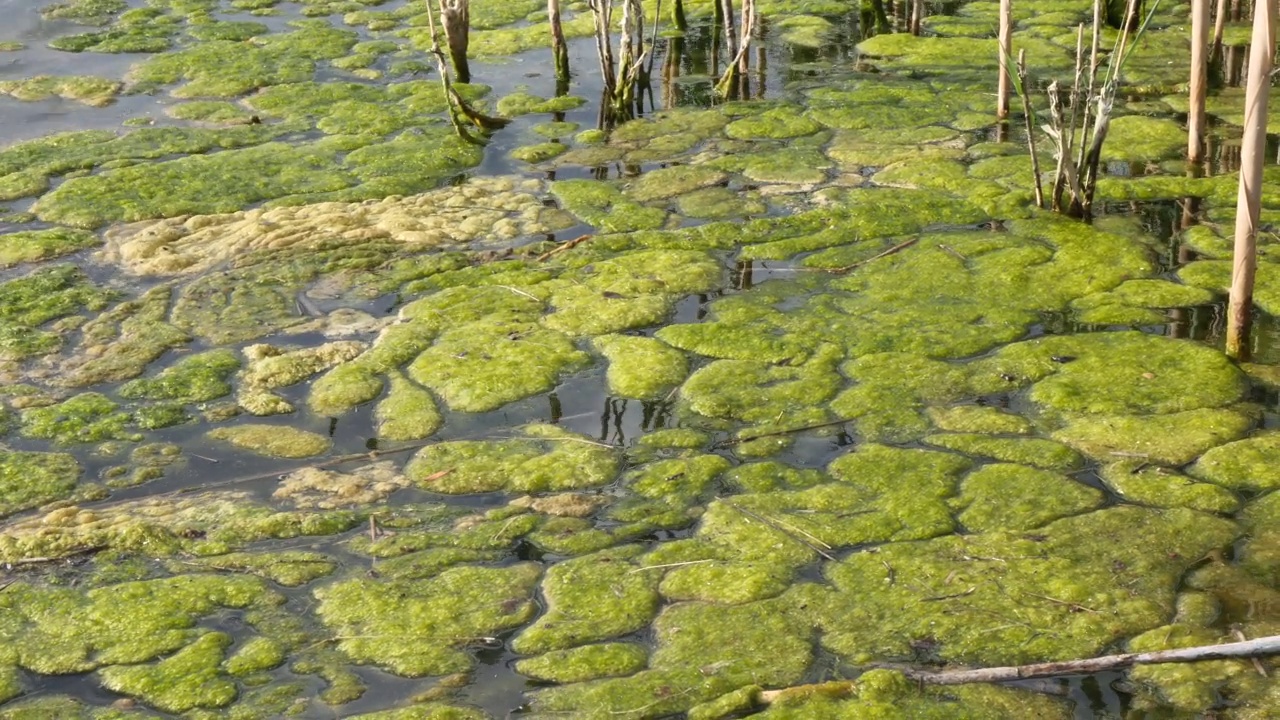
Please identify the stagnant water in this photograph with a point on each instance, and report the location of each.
(750, 392)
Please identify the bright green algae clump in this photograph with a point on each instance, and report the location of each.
(273, 440)
(418, 627)
(30, 479)
(545, 458)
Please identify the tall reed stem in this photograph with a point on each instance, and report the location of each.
(1199, 79)
(1006, 52)
(1248, 198)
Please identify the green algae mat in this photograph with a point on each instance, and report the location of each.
(311, 408)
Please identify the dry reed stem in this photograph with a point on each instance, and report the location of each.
(1006, 51)
(1248, 199)
(1199, 79)
(1026, 114)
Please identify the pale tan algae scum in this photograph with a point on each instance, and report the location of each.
(293, 392)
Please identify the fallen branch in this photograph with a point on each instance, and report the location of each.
(1247, 650)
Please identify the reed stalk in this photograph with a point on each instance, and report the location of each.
(1006, 52)
(559, 48)
(1249, 196)
(1199, 79)
(1029, 117)
(1219, 24)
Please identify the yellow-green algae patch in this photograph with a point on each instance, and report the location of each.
(344, 387)
(188, 679)
(422, 627)
(673, 181)
(408, 412)
(192, 379)
(94, 91)
(978, 419)
(1138, 482)
(1079, 584)
(1017, 497)
(31, 479)
(591, 598)
(545, 458)
(88, 417)
(318, 488)
(59, 630)
(1036, 452)
(704, 650)
(34, 245)
(289, 568)
(1125, 373)
(640, 367)
(273, 440)
(585, 663)
(602, 205)
(1251, 464)
(1170, 439)
(889, 695)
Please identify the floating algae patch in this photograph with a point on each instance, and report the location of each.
(60, 630)
(88, 417)
(31, 479)
(222, 182)
(673, 181)
(778, 123)
(93, 91)
(279, 441)
(1170, 439)
(343, 388)
(422, 627)
(525, 103)
(1138, 482)
(591, 598)
(760, 393)
(602, 205)
(1134, 138)
(704, 651)
(192, 379)
(540, 152)
(545, 458)
(23, 183)
(271, 367)
(503, 208)
(588, 662)
(1017, 497)
(408, 412)
(327, 489)
(1249, 464)
(717, 203)
(891, 391)
(1080, 584)
(34, 245)
(1124, 373)
(1035, 452)
(45, 294)
(119, 343)
(226, 68)
(978, 419)
(888, 694)
(188, 679)
(640, 367)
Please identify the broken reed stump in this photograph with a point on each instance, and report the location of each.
(1245, 650)
(559, 48)
(1253, 147)
(455, 16)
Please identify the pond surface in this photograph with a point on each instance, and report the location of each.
(311, 408)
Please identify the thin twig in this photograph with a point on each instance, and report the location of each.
(1029, 118)
(775, 433)
(670, 565)
(891, 251)
(776, 525)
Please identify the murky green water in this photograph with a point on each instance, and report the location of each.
(312, 409)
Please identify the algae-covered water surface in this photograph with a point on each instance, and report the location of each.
(312, 408)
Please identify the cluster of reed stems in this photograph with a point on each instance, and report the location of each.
(1078, 129)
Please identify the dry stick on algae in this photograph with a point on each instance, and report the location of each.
(891, 251)
(1028, 119)
(1250, 649)
(793, 532)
